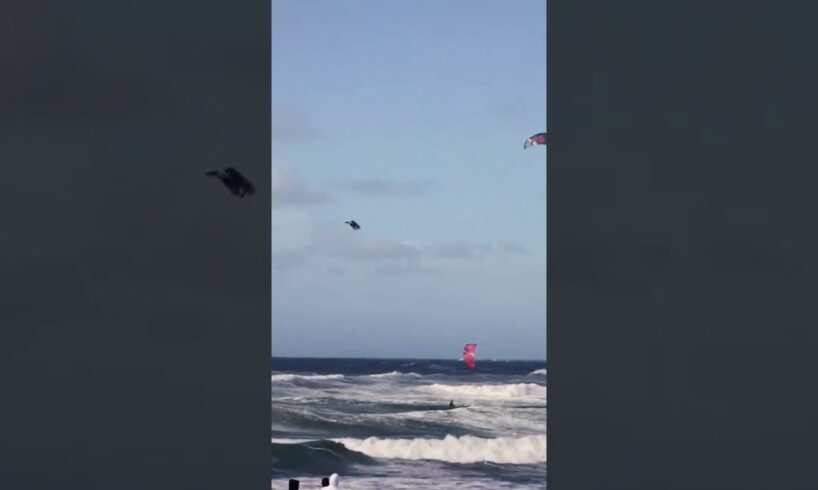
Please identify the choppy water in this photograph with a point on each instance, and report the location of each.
(386, 423)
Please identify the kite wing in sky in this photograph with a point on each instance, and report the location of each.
(537, 139)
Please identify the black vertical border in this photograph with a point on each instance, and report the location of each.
(135, 327)
(682, 245)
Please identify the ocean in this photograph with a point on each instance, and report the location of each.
(387, 424)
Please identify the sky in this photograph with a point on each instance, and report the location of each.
(408, 117)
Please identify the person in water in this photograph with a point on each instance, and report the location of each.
(324, 482)
(451, 404)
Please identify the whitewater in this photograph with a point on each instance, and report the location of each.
(386, 423)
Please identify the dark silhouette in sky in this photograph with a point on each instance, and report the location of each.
(234, 181)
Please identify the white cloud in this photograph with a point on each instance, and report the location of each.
(291, 229)
(459, 250)
(291, 125)
(290, 189)
(513, 249)
(383, 187)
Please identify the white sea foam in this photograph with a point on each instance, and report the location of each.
(451, 449)
(291, 441)
(394, 374)
(311, 377)
(442, 481)
(517, 390)
(538, 371)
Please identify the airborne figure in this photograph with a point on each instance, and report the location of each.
(353, 224)
(234, 181)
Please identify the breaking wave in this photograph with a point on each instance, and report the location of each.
(518, 390)
(315, 457)
(394, 374)
(311, 377)
(538, 371)
(463, 450)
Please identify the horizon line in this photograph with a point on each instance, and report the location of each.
(402, 358)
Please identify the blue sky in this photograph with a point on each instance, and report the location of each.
(409, 117)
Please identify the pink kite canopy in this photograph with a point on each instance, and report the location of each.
(468, 355)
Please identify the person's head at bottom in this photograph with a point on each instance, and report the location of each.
(294, 484)
(324, 482)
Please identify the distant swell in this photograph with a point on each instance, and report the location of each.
(463, 450)
(310, 377)
(518, 390)
(538, 371)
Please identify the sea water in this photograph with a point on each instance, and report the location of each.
(386, 423)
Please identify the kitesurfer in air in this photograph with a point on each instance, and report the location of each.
(353, 224)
